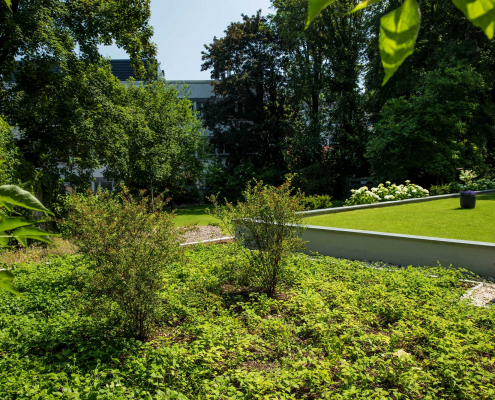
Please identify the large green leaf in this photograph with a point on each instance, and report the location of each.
(480, 12)
(4, 239)
(315, 7)
(363, 4)
(398, 32)
(9, 223)
(11, 194)
(22, 234)
(6, 278)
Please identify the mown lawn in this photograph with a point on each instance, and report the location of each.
(439, 218)
(193, 216)
(337, 330)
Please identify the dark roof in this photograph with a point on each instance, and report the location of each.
(122, 69)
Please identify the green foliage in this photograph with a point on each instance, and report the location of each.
(448, 188)
(268, 225)
(6, 278)
(399, 28)
(229, 185)
(163, 143)
(435, 130)
(58, 30)
(315, 7)
(398, 32)
(129, 242)
(480, 12)
(251, 115)
(317, 202)
(21, 228)
(316, 179)
(342, 330)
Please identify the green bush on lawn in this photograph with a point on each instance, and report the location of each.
(337, 330)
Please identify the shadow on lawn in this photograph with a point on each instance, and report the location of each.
(192, 211)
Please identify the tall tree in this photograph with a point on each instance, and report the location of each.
(444, 125)
(162, 140)
(252, 113)
(324, 64)
(61, 101)
(53, 29)
(447, 41)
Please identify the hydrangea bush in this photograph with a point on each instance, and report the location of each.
(386, 192)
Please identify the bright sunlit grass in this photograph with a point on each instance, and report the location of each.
(439, 218)
(193, 216)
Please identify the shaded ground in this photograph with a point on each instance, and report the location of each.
(440, 218)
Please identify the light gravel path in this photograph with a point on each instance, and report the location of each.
(202, 233)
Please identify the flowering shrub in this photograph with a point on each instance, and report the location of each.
(386, 192)
(469, 183)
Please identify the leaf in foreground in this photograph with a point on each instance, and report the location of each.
(9, 223)
(480, 12)
(398, 32)
(315, 7)
(22, 234)
(6, 278)
(11, 194)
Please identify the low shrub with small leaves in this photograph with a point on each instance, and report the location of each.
(269, 224)
(317, 202)
(336, 330)
(129, 242)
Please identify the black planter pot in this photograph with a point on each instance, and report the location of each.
(468, 201)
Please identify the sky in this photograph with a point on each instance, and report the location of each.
(183, 27)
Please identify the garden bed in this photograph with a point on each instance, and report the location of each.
(336, 329)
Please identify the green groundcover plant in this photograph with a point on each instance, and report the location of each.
(337, 330)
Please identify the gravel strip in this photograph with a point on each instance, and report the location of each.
(483, 295)
(201, 233)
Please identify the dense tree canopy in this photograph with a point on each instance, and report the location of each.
(161, 142)
(251, 115)
(41, 30)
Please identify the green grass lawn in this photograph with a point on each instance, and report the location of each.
(440, 218)
(194, 216)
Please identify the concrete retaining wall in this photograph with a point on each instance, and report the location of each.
(478, 257)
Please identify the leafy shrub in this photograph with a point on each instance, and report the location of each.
(129, 243)
(228, 184)
(317, 202)
(386, 192)
(319, 178)
(470, 182)
(270, 227)
(448, 188)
